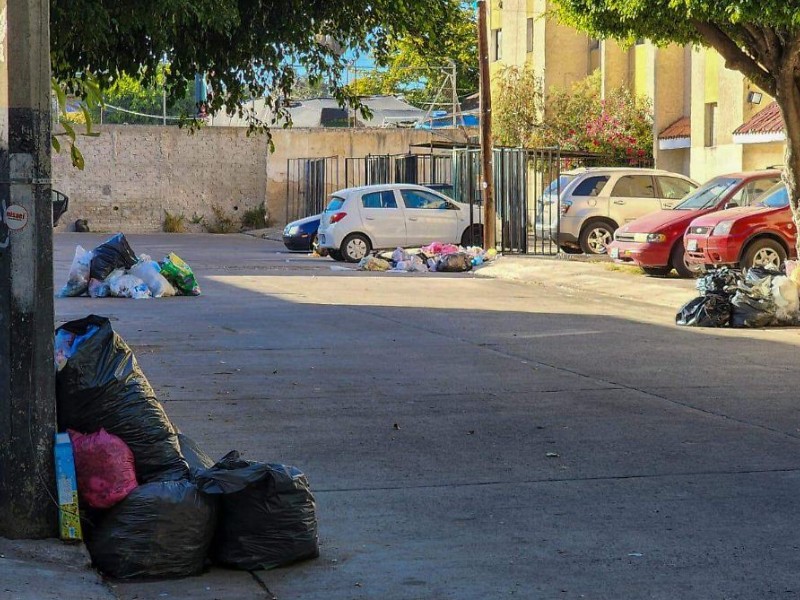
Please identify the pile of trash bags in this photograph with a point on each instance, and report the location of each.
(756, 297)
(444, 258)
(151, 500)
(113, 269)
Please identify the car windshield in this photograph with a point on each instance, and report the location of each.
(775, 197)
(551, 191)
(334, 204)
(708, 194)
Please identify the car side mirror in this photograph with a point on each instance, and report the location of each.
(728, 205)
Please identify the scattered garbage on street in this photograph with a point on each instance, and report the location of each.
(151, 501)
(444, 258)
(756, 297)
(114, 270)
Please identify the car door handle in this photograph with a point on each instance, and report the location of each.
(619, 201)
(412, 218)
(370, 218)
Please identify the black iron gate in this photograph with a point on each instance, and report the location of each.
(309, 182)
(527, 214)
(398, 168)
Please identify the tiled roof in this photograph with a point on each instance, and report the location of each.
(682, 128)
(768, 120)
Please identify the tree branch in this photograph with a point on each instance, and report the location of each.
(735, 57)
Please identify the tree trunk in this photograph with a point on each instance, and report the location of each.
(788, 98)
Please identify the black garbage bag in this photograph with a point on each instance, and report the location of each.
(194, 455)
(267, 514)
(712, 310)
(720, 281)
(454, 263)
(161, 529)
(755, 274)
(102, 386)
(749, 311)
(115, 253)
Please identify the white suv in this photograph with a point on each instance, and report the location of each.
(361, 219)
(596, 201)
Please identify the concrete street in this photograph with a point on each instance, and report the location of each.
(476, 438)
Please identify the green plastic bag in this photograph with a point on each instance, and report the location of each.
(179, 274)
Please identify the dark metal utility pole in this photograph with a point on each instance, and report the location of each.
(27, 387)
(487, 175)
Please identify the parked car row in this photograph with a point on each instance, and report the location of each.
(656, 242)
(651, 218)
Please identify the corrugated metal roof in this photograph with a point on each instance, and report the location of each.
(682, 128)
(768, 120)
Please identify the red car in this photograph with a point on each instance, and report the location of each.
(655, 242)
(760, 235)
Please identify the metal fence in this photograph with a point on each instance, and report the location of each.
(527, 189)
(309, 182)
(398, 168)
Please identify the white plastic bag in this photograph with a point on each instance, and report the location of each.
(399, 255)
(78, 280)
(785, 295)
(127, 286)
(149, 271)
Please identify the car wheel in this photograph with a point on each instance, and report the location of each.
(657, 271)
(355, 247)
(336, 255)
(678, 260)
(764, 253)
(596, 235)
(473, 236)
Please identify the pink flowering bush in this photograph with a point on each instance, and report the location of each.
(619, 127)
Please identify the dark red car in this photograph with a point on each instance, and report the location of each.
(759, 235)
(655, 242)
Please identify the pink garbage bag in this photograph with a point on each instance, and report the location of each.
(104, 467)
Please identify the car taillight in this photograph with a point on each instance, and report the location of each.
(336, 217)
(565, 204)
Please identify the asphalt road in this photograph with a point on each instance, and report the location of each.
(470, 438)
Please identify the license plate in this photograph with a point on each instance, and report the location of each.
(691, 245)
(614, 253)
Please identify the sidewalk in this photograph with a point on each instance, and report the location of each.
(48, 569)
(600, 278)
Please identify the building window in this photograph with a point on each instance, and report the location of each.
(497, 44)
(529, 35)
(711, 124)
(594, 44)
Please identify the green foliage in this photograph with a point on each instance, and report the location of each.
(517, 106)
(409, 69)
(173, 223)
(92, 99)
(246, 49)
(135, 94)
(619, 127)
(223, 222)
(255, 218)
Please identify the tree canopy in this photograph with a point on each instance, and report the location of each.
(246, 48)
(412, 63)
(759, 38)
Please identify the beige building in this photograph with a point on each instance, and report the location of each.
(708, 119)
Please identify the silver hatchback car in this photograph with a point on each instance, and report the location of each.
(596, 201)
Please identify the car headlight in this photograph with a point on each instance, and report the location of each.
(649, 238)
(293, 230)
(723, 228)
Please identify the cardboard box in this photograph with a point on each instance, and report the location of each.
(69, 520)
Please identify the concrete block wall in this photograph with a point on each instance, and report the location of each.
(134, 173)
